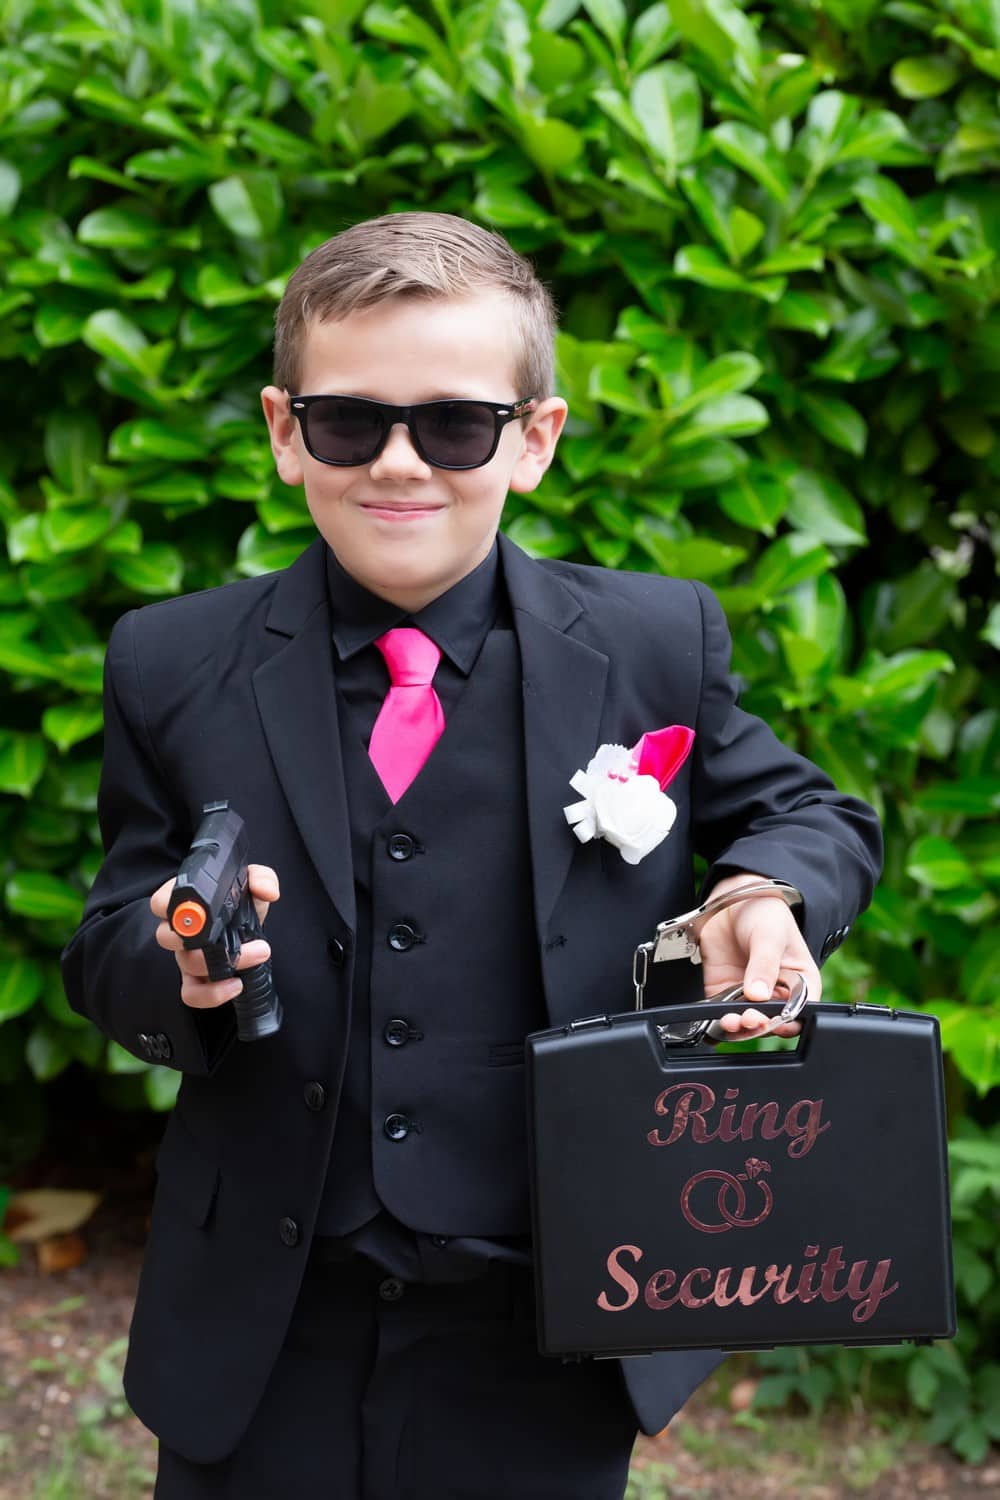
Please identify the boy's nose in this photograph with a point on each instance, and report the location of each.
(399, 450)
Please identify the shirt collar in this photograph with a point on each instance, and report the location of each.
(457, 621)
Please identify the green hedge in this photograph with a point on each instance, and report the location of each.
(772, 236)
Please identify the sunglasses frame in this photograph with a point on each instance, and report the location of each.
(503, 412)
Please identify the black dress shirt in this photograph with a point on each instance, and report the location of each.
(458, 621)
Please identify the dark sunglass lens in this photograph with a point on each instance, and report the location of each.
(343, 432)
(455, 432)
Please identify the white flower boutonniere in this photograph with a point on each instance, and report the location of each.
(624, 800)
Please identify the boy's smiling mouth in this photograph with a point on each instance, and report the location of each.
(399, 507)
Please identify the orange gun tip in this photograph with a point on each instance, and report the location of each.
(188, 919)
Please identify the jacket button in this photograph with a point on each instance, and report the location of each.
(336, 950)
(289, 1231)
(397, 1127)
(396, 1033)
(315, 1095)
(391, 1289)
(401, 937)
(440, 1240)
(401, 846)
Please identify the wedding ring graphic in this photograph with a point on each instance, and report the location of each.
(730, 1192)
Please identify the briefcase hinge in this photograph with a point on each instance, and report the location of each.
(879, 1010)
(586, 1021)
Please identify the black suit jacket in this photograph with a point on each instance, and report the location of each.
(230, 693)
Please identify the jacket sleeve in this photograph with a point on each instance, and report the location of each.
(762, 807)
(113, 969)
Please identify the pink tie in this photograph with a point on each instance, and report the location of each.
(411, 719)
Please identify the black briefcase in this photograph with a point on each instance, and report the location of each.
(684, 1198)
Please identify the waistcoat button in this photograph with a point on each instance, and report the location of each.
(336, 950)
(401, 846)
(289, 1231)
(315, 1095)
(401, 937)
(396, 1033)
(391, 1289)
(397, 1127)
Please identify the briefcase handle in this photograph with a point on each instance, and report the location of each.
(679, 937)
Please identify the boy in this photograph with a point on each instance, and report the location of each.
(336, 1293)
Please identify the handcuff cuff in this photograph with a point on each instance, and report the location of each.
(679, 937)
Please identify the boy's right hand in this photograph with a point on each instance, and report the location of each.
(197, 990)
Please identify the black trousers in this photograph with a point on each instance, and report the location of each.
(386, 1391)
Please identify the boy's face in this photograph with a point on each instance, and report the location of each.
(405, 351)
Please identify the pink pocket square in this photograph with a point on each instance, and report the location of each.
(662, 752)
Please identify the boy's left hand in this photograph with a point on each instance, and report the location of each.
(752, 943)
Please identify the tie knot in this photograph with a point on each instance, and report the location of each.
(411, 656)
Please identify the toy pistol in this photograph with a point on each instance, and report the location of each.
(211, 908)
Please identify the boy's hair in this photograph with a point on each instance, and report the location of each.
(424, 256)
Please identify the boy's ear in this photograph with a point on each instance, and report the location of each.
(286, 439)
(538, 444)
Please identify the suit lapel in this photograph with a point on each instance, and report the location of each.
(564, 685)
(297, 699)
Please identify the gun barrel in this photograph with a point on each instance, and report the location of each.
(189, 919)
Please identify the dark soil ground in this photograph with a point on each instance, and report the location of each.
(66, 1432)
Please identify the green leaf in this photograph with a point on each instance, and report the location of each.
(257, 552)
(111, 334)
(610, 17)
(33, 893)
(816, 610)
(21, 983)
(75, 530)
(10, 186)
(885, 202)
(836, 420)
(46, 1052)
(822, 508)
(720, 377)
(666, 101)
(754, 499)
(687, 557)
(734, 416)
(68, 723)
(372, 108)
(118, 1060)
(710, 464)
(161, 1087)
(553, 144)
(539, 537)
(702, 263)
(149, 438)
(937, 862)
(610, 385)
(158, 569)
(912, 609)
(787, 562)
(118, 228)
(924, 77)
(754, 154)
(720, 30)
(250, 204)
(73, 442)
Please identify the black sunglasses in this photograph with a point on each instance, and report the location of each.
(350, 430)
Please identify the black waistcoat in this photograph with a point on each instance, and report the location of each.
(431, 1121)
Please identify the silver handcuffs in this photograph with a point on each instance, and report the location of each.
(679, 937)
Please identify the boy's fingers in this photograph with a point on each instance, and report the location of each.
(160, 898)
(763, 965)
(263, 882)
